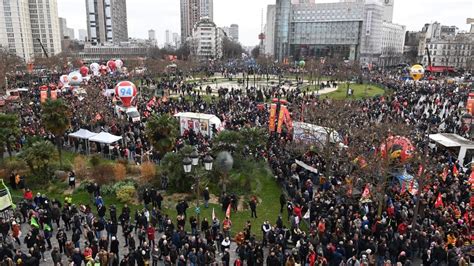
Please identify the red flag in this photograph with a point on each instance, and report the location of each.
(402, 190)
(227, 212)
(455, 170)
(366, 192)
(471, 180)
(439, 201)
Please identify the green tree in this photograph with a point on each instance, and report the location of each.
(254, 138)
(56, 118)
(172, 167)
(162, 132)
(228, 140)
(39, 157)
(9, 130)
(231, 49)
(256, 52)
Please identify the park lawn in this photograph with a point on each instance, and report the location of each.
(360, 91)
(263, 186)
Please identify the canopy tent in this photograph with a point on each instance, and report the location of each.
(450, 140)
(83, 134)
(106, 138)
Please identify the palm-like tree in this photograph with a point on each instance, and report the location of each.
(9, 130)
(162, 132)
(56, 118)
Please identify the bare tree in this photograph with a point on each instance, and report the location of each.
(8, 65)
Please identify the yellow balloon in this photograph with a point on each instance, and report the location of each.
(417, 72)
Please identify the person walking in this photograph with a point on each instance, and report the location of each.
(206, 197)
(253, 207)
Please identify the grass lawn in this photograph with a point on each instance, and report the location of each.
(360, 91)
(263, 186)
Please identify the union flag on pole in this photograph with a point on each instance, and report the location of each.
(366, 192)
(455, 170)
(227, 212)
(439, 201)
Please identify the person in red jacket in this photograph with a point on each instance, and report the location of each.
(297, 211)
(28, 195)
(311, 258)
(150, 232)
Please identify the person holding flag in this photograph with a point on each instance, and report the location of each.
(227, 223)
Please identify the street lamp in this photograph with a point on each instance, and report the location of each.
(208, 162)
(188, 163)
(194, 158)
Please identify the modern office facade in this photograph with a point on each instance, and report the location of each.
(107, 21)
(269, 41)
(15, 28)
(347, 29)
(82, 35)
(151, 35)
(44, 23)
(207, 9)
(190, 15)
(191, 12)
(234, 32)
(393, 44)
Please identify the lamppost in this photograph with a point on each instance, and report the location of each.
(188, 163)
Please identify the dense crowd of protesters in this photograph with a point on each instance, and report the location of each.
(339, 229)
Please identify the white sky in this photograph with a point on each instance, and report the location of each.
(161, 15)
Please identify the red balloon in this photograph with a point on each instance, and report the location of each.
(111, 65)
(397, 147)
(126, 91)
(84, 71)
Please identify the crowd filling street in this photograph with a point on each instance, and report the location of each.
(319, 222)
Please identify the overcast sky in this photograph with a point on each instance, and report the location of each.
(161, 15)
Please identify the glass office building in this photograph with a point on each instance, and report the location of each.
(347, 29)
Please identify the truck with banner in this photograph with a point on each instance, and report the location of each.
(205, 124)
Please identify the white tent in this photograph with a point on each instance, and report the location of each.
(106, 138)
(83, 134)
(454, 141)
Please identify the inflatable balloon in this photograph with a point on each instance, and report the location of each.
(112, 66)
(64, 80)
(95, 68)
(417, 72)
(302, 63)
(75, 78)
(126, 91)
(103, 70)
(118, 64)
(84, 71)
(397, 147)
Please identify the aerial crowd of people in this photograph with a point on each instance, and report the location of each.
(319, 222)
